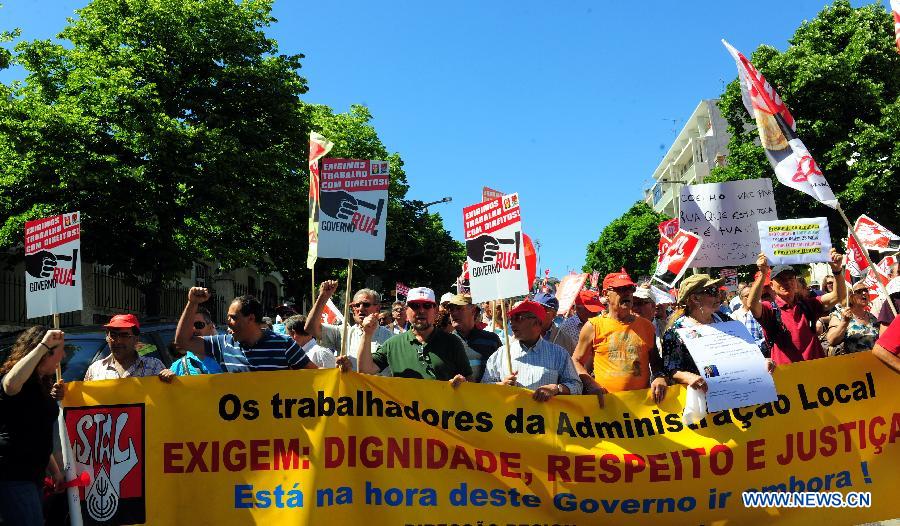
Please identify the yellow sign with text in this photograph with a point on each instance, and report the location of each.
(316, 447)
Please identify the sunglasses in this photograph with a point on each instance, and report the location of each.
(361, 305)
(625, 288)
(421, 305)
(861, 291)
(710, 291)
(520, 317)
(426, 359)
(200, 325)
(119, 335)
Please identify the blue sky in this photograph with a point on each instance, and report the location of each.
(571, 105)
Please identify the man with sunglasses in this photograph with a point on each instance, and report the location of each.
(122, 336)
(248, 347)
(552, 333)
(480, 344)
(422, 352)
(623, 345)
(788, 321)
(398, 311)
(365, 302)
(193, 364)
(537, 364)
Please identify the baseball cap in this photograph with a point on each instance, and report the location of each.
(123, 321)
(444, 299)
(421, 295)
(590, 300)
(617, 279)
(459, 299)
(530, 307)
(547, 300)
(778, 269)
(695, 282)
(644, 293)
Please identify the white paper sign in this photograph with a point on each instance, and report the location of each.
(792, 241)
(353, 205)
(494, 249)
(729, 360)
(53, 265)
(724, 215)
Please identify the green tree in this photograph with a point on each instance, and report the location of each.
(840, 77)
(629, 241)
(172, 126)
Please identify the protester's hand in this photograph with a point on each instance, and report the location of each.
(457, 380)
(762, 263)
(510, 380)
(58, 391)
(846, 316)
(328, 288)
(658, 388)
(166, 375)
(198, 295)
(53, 339)
(370, 324)
(483, 249)
(698, 383)
(770, 365)
(837, 261)
(59, 481)
(41, 264)
(343, 363)
(340, 204)
(545, 392)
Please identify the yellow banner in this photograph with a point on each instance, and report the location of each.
(321, 447)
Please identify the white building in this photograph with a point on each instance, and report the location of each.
(701, 145)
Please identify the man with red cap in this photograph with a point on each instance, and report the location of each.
(537, 364)
(623, 345)
(122, 333)
(587, 305)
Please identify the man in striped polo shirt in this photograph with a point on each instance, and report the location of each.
(249, 347)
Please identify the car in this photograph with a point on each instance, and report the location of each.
(87, 344)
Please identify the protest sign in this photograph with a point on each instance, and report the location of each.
(331, 314)
(494, 251)
(725, 216)
(668, 228)
(734, 368)
(677, 258)
(874, 236)
(315, 447)
(661, 297)
(568, 290)
(489, 193)
(53, 265)
(792, 241)
(353, 201)
(731, 279)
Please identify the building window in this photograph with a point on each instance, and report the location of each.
(657, 193)
(201, 275)
(251, 286)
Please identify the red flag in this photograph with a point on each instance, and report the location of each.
(669, 228)
(319, 146)
(856, 260)
(874, 236)
(895, 10)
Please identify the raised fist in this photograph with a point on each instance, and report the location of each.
(340, 204)
(328, 288)
(41, 264)
(198, 295)
(483, 249)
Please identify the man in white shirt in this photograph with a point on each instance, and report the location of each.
(294, 327)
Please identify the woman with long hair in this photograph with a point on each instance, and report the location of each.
(28, 411)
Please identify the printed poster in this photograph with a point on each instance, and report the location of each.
(795, 241)
(729, 360)
(494, 250)
(353, 203)
(53, 265)
(683, 248)
(568, 290)
(725, 216)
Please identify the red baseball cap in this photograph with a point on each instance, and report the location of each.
(123, 321)
(590, 300)
(617, 279)
(528, 306)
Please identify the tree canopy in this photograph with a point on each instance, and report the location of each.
(177, 129)
(840, 77)
(630, 241)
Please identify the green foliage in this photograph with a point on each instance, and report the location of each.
(629, 241)
(840, 77)
(177, 129)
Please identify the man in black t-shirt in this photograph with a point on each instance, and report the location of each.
(480, 344)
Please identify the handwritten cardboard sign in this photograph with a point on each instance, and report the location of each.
(725, 216)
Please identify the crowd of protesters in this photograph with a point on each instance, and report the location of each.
(618, 338)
